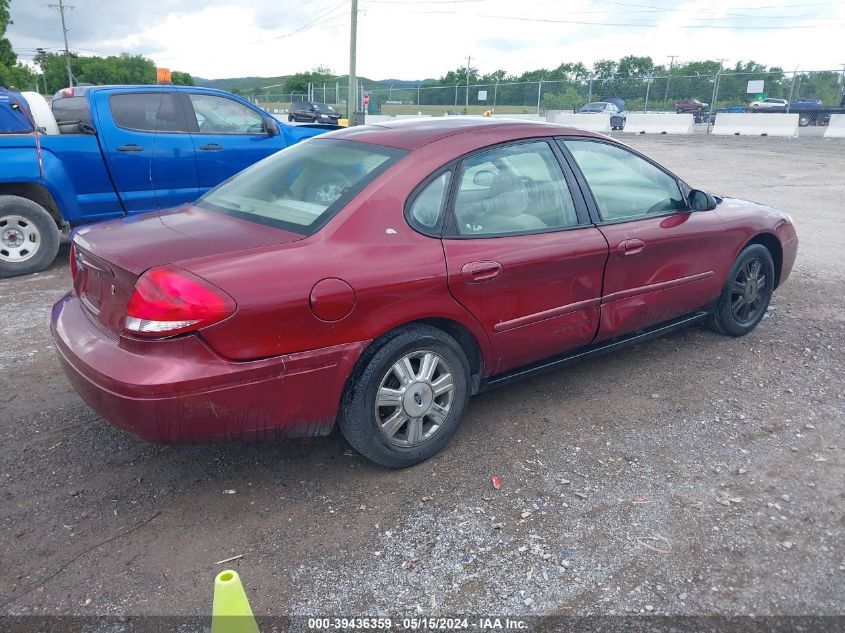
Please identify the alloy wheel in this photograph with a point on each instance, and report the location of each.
(414, 398)
(749, 292)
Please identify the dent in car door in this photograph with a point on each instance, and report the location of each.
(665, 261)
(149, 152)
(519, 258)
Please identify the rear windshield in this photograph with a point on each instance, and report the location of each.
(302, 187)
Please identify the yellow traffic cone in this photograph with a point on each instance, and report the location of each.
(231, 612)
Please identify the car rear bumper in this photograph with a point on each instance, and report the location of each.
(178, 390)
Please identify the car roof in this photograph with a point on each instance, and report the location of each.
(411, 134)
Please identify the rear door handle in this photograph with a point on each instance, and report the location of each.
(211, 147)
(630, 247)
(129, 148)
(479, 272)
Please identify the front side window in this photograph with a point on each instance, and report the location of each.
(220, 115)
(624, 185)
(513, 189)
(146, 111)
(300, 188)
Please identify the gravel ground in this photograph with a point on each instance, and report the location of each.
(692, 475)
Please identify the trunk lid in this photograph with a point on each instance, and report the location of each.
(112, 255)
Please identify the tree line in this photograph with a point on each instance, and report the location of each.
(114, 69)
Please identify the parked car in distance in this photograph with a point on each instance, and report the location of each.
(617, 117)
(769, 104)
(690, 105)
(379, 276)
(119, 150)
(313, 112)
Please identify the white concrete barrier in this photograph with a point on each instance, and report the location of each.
(836, 127)
(376, 118)
(650, 123)
(590, 121)
(412, 116)
(756, 124)
(524, 117)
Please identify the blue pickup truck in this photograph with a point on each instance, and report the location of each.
(121, 150)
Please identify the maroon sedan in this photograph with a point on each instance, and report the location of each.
(379, 276)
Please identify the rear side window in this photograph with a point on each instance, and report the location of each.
(147, 111)
(302, 187)
(513, 189)
(427, 208)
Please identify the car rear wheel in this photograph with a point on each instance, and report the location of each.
(408, 399)
(291, 118)
(746, 294)
(29, 237)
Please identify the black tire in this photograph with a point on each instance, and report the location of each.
(739, 308)
(358, 420)
(291, 118)
(804, 120)
(23, 219)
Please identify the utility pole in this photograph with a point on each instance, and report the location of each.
(715, 94)
(61, 7)
(669, 78)
(352, 97)
(466, 102)
(841, 84)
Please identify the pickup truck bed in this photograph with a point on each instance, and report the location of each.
(136, 149)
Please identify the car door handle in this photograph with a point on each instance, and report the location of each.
(479, 272)
(211, 147)
(630, 247)
(129, 148)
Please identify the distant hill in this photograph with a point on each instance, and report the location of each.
(247, 85)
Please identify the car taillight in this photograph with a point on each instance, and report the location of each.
(74, 265)
(170, 300)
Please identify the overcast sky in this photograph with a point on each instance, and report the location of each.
(416, 39)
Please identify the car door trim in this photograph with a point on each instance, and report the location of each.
(530, 319)
(583, 353)
(655, 287)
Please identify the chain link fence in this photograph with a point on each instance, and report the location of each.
(702, 95)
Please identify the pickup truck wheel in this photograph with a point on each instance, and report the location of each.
(407, 400)
(29, 237)
(804, 120)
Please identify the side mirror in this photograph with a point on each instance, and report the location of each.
(701, 200)
(271, 126)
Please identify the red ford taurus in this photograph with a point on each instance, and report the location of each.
(379, 276)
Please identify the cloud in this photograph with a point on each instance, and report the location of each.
(423, 38)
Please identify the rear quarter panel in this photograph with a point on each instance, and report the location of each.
(397, 274)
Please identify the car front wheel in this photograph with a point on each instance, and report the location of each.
(408, 399)
(746, 294)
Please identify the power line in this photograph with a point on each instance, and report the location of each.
(321, 19)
